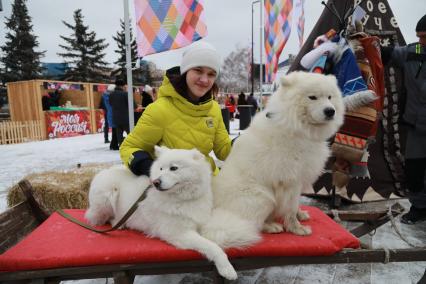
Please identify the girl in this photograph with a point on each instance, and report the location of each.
(184, 116)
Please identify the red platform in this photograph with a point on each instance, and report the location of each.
(58, 243)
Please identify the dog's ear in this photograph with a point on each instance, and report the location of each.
(332, 78)
(292, 78)
(197, 154)
(159, 150)
(286, 81)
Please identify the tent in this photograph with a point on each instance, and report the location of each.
(386, 161)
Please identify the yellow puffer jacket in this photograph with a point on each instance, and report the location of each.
(174, 122)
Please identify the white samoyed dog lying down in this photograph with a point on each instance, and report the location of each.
(175, 211)
(282, 151)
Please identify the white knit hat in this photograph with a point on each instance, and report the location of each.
(147, 88)
(200, 54)
(111, 87)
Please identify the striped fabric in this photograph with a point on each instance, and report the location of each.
(277, 32)
(168, 24)
(299, 16)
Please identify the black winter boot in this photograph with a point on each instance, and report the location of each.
(415, 215)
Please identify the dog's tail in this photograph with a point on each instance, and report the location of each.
(229, 230)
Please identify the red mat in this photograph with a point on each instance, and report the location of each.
(58, 243)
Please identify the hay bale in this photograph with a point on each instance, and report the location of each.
(59, 189)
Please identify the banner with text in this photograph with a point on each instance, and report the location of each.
(61, 124)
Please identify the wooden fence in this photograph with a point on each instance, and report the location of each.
(20, 131)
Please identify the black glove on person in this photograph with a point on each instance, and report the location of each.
(140, 163)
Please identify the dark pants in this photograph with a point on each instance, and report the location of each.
(415, 175)
(119, 130)
(106, 127)
(114, 141)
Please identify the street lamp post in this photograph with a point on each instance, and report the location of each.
(252, 46)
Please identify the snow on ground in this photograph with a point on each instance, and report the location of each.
(19, 160)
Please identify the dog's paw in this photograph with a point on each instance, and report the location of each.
(272, 228)
(300, 230)
(302, 215)
(95, 218)
(227, 271)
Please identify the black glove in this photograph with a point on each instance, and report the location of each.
(141, 163)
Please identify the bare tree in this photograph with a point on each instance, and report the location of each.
(235, 72)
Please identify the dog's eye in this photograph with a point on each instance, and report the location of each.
(312, 98)
(161, 169)
(329, 97)
(173, 168)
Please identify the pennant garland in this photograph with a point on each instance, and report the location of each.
(277, 32)
(168, 24)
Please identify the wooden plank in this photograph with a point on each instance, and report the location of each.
(13, 132)
(365, 215)
(37, 212)
(20, 129)
(15, 224)
(346, 256)
(122, 277)
(2, 133)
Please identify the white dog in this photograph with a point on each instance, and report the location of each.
(283, 150)
(174, 211)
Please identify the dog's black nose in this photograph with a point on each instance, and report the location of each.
(329, 112)
(156, 183)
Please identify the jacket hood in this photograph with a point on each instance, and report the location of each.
(168, 91)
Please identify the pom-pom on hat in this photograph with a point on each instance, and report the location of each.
(421, 25)
(200, 54)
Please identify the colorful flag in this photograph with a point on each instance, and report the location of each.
(168, 24)
(277, 32)
(299, 17)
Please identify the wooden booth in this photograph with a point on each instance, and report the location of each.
(61, 109)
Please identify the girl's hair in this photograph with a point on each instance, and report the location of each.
(179, 83)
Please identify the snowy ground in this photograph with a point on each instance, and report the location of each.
(18, 160)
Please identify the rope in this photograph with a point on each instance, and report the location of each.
(117, 225)
(372, 233)
(396, 229)
(387, 255)
(336, 217)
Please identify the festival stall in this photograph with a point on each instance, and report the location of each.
(66, 109)
(381, 162)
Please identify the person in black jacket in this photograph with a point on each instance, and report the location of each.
(252, 101)
(120, 110)
(147, 96)
(411, 59)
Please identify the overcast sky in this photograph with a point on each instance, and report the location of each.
(228, 23)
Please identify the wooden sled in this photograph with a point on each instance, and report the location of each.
(22, 219)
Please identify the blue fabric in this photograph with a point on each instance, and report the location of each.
(348, 74)
(105, 98)
(319, 64)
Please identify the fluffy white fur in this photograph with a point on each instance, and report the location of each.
(174, 210)
(282, 151)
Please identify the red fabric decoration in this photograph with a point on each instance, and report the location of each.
(58, 243)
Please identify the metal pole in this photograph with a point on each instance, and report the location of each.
(252, 47)
(128, 65)
(261, 52)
